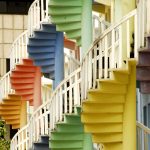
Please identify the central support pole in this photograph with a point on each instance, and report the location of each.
(86, 33)
(37, 88)
(59, 59)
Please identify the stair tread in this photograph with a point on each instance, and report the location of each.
(144, 50)
(124, 71)
(110, 81)
(104, 91)
(143, 65)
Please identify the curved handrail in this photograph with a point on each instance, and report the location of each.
(112, 27)
(39, 122)
(72, 64)
(108, 51)
(38, 13)
(99, 26)
(144, 128)
(21, 137)
(19, 49)
(5, 87)
(143, 134)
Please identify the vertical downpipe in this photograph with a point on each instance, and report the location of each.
(86, 26)
(59, 59)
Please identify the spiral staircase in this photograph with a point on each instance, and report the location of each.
(44, 48)
(10, 110)
(23, 80)
(94, 104)
(67, 19)
(143, 68)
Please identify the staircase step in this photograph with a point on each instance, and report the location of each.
(18, 74)
(104, 128)
(108, 91)
(65, 144)
(66, 3)
(78, 110)
(5, 107)
(143, 73)
(45, 62)
(74, 34)
(27, 97)
(14, 96)
(66, 136)
(107, 138)
(66, 127)
(41, 146)
(47, 27)
(22, 86)
(144, 57)
(66, 19)
(25, 68)
(44, 139)
(13, 121)
(78, 41)
(15, 126)
(42, 56)
(105, 98)
(102, 118)
(72, 119)
(145, 87)
(39, 42)
(22, 80)
(69, 26)
(44, 35)
(102, 108)
(11, 102)
(121, 76)
(27, 61)
(65, 10)
(48, 69)
(112, 87)
(41, 49)
(11, 112)
(25, 91)
(10, 117)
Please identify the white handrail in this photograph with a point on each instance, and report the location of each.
(109, 51)
(21, 139)
(5, 87)
(45, 117)
(143, 135)
(19, 49)
(38, 13)
(99, 26)
(2, 67)
(46, 93)
(72, 63)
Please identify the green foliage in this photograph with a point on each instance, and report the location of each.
(4, 144)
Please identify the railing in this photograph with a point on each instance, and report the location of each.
(109, 51)
(21, 139)
(72, 64)
(2, 67)
(99, 26)
(65, 97)
(38, 13)
(19, 49)
(46, 93)
(5, 86)
(45, 117)
(143, 137)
